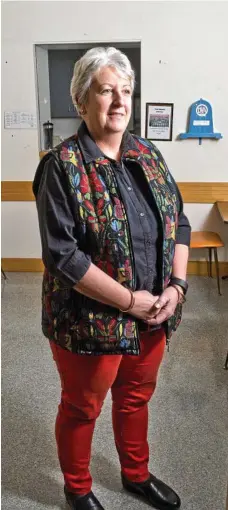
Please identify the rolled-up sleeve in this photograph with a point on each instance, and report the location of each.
(60, 251)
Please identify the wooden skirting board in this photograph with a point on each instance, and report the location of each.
(192, 192)
(36, 266)
(17, 191)
(22, 265)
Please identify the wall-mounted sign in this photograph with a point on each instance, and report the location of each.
(200, 122)
(159, 121)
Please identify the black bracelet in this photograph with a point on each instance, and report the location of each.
(178, 281)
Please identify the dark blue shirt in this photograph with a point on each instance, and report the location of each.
(143, 222)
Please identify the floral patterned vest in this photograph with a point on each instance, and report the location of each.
(81, 324)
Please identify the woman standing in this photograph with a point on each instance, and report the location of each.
(115, 248)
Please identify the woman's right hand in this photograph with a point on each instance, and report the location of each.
(144, 305)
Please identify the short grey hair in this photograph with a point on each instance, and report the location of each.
(91, 62)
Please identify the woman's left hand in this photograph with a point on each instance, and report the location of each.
(164, 307)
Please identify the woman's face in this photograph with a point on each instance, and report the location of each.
(108, 108)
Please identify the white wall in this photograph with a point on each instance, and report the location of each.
(43, 91)
(184, 48)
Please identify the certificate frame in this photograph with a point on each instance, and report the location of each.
(159, 121)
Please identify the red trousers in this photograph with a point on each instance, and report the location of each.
(85, 382)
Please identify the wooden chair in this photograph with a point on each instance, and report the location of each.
(211, 241)
(3, 274)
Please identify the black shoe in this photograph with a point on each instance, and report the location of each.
(155, 492)
(87, 502)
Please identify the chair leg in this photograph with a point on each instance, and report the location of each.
(226, 363)
(210, 262)
(217, 269)
(3, 274)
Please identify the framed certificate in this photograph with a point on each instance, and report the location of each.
(159, 121)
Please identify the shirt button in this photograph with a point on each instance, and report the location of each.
(142, 214)
(129, 188)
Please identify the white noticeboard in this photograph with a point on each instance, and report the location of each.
(20, 120)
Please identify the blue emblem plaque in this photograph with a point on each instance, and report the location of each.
(200, 122)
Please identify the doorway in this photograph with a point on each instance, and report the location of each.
(54, 70)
